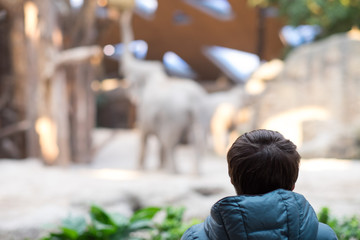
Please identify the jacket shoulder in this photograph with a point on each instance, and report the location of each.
(195, 232)
(325, 233)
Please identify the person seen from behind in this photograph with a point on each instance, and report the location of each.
(263, 167)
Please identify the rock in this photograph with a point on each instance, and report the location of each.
(315, 99)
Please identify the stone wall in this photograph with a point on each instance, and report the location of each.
(315, 99)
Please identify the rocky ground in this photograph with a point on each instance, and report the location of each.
(33, 198)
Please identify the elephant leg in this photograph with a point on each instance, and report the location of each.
(167, 157)
(162, 164)
(199, 153)
(143, 141)
(199, 142)
(170, 157)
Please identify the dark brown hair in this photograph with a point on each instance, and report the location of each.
(261, 161)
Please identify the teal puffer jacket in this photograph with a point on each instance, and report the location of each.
(276, 215)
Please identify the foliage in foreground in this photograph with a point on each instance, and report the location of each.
(333, 16)
(346, 229)
(148, 223)
(166, 223)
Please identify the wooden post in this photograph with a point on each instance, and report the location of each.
(60, 111)
(82, 133)
(41, 82)
(31, 75)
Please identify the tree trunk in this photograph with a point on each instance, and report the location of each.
(61, 112)
(31, 76)
(42, 87)
(83, 118)
(46, 98)
(82, 124)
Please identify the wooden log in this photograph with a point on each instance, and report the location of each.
(60, 111)
(31, 77)
(14, 128)
(72, 56)
(82, 129)
(79, 55)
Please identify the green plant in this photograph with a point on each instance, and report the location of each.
(332, 16)
(112, 226)
(346, 229)
(172, 226)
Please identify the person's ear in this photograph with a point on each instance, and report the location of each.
(293, 187)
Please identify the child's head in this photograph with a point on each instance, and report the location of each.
(261, 161)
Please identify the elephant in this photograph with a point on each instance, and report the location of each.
(167, 107)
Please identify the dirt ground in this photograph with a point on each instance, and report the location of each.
(34, 198)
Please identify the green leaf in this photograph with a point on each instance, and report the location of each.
(145, 214)
(91, 233)
(99, 215)
(56, 236)
(70, 233)
(119, 219)
(141, 225)
(77, 224)
(106, 232)
(323, 215)
(105, 228)
(175, 213)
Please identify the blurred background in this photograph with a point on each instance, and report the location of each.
(89, 87)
